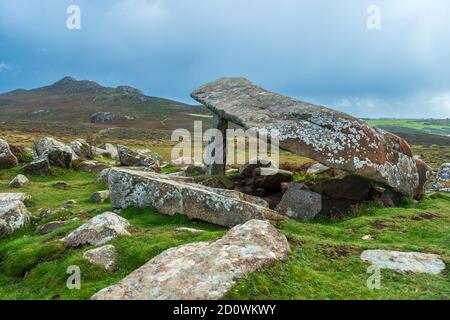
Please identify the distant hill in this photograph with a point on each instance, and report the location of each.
(68, 106)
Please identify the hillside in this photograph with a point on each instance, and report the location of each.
(68, 105)
(431, 126)
(417, 131)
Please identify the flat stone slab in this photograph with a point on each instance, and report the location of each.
(205, 270)
(330, 137)
(414, 262)
(129, 188)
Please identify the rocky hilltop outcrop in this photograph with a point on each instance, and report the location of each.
(330, 137)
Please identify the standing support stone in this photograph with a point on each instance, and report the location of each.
(217, 168)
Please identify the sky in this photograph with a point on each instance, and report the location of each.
(322, 51)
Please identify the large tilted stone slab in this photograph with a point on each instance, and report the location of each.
(205, 270)
(13, 216)
(332, 138)
(129, 188)
(414, 262)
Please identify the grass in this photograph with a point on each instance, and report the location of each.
(324, 263)
(434, 156)
(34, 267)
(432, 126)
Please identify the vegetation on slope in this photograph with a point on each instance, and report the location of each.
(432, 126)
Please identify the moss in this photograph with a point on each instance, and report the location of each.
(170, 169)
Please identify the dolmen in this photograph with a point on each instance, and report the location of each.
(330, 137)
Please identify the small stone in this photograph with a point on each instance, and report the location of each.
(70, 204)
(49, 227)
(232, 171)
(442, 182)
(45, 213)
(13, 216)
(102, 177)
(300, 203)
(98, 231)
(105, 257)
(182, 161)
(317, 168)
(82, 149)
(284, 187)
(196, 170)
(7, 158)
(109, 151)
(414, 262)
(100, 196)
(269, 179)
(39, 167)
(91, 166)
(191, 230)
(61, 184)
(19, 181)
(204, 270)
(178, 174)
(138, 158)
(260, 192)
(247, 169)
(367, 237)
